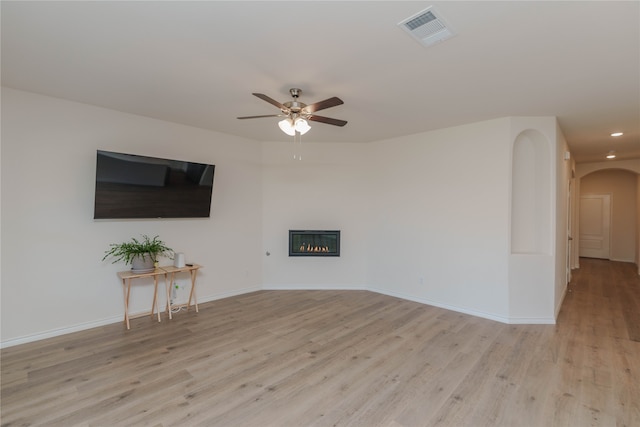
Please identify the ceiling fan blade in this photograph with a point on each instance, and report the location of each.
(271, 101)
(258, 117)
(327, 103)
(327, 120)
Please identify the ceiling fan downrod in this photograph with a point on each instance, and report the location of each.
(294, 106)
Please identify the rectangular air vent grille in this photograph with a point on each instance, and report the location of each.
(428, 27)
(421, 20)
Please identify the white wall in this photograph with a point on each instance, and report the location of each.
(328, 190)
(52, 274)
(440, 218)
(424, 217)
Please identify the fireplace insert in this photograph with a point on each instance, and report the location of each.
(314, 242)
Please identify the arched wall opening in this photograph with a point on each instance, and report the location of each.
(531, 261)
(531, 194)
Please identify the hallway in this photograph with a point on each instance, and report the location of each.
(603, 297)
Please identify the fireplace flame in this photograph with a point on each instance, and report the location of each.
(310, 248)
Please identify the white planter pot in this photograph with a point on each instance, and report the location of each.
(140, 265)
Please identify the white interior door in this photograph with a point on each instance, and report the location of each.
(595, 225)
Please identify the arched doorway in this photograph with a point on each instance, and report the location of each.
(619, 182)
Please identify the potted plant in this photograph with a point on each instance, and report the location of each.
(141, 254)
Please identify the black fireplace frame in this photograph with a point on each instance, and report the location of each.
(320, 239)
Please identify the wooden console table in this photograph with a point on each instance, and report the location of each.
(128, 275)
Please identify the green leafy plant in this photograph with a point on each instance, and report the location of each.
(126, 251)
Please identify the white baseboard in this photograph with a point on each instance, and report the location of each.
(279, 287)
(228, 294)
(60, 331)
(531, 321)
(109, 320)
(442, 305)
(222, 295)
(463, 310)
(623, 260)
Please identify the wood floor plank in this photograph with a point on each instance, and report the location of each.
(345, 358)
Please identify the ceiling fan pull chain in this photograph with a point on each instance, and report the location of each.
(297, 148)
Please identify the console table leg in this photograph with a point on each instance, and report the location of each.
(192, 294)
(154, 306)
(168, 288)
(126, 288)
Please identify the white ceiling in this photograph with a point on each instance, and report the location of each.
(197, 63)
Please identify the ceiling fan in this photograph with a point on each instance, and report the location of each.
(296, 113)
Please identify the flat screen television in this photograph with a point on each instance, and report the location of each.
(130, 186)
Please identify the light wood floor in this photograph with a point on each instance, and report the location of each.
(324, 358)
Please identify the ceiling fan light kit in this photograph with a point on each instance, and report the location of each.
(302, 126)
(297, 114)
(287, 127)
(291, 126)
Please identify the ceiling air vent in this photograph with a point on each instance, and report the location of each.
(428, 27)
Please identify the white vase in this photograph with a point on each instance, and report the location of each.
(142, 265)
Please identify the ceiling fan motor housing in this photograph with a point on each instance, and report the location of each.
(295, 106)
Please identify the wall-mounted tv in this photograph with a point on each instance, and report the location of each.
(130, 186)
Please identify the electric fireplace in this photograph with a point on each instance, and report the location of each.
(314, 242)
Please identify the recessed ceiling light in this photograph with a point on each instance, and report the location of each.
(616, 134)
(611, 155)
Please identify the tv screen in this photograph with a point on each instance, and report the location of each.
(131, 186)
